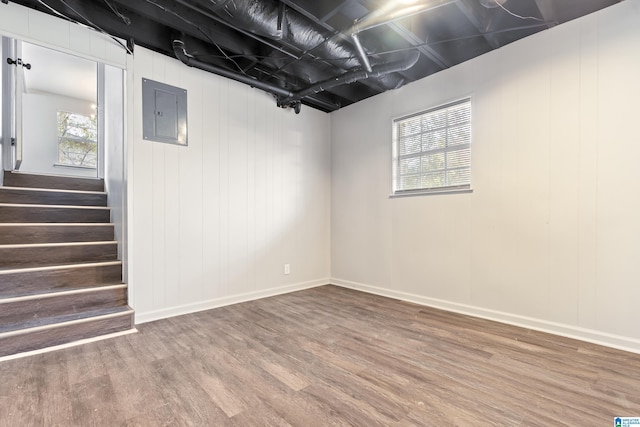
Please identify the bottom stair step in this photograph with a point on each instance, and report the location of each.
(99, 323)
(44, 309)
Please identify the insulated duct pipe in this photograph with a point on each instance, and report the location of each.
(352, 77)
(181, 53)
(273, 20)
(287, 98)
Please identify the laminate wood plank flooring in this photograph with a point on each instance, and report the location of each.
(320, 357)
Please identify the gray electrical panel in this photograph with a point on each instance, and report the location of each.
(164, 113)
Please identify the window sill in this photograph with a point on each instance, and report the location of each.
(62, 165)
(413, 193)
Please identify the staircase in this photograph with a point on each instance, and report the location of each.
(60, 277)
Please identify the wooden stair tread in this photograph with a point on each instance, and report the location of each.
(48, 254)
(57, 244)
(15, 282)
(21, 213)
(55, 224)
(61, 266)
(21, 179)
(33, 206)
(49, 321)
(39, 338)
(65, 292)
(51, 190)
(17, 233)
(43, 196)
(54, 290)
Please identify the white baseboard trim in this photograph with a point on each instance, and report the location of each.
(569, 331)
(150, 316)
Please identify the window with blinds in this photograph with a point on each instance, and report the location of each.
(432, 150)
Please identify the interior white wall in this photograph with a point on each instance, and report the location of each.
(214, 222)
(45, 30)
(40, 127)
(550, 235)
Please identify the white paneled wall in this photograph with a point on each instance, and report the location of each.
(214, 222)
(46, 30)
(550, 236)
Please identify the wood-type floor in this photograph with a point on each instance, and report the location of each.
(323, 357)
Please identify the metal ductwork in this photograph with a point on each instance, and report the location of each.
(272, 19)
(286, 98)
(181, 53)
(351, 77)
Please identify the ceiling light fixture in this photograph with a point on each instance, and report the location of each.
(490, 4)
(393, 11)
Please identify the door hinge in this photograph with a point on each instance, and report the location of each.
(17, 62)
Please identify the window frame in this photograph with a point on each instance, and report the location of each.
(396, 191)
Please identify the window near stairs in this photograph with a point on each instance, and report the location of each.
(432, 150)
(77, 140)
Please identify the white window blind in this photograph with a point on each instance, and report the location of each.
(432, 149)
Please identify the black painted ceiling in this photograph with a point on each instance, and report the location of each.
(304, 51)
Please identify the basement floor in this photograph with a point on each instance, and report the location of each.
(324, 356)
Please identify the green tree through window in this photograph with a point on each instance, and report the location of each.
(77, 140)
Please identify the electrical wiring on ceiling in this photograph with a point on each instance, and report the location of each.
(115, 10)
(501, 6)
(200, 30)
(87, 23)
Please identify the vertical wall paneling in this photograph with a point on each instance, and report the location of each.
(564, 154)
(587, 171)
(49, 31)
(238, 191)
(549, 236)
(191, 189)
(618, 238)
(215, 221)
(146, 236)
(224, 201)
(210, 164)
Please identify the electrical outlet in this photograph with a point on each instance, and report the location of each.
(287, 268)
